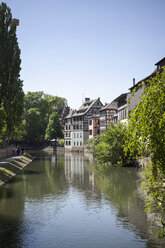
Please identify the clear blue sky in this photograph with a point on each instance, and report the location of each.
(88, 48)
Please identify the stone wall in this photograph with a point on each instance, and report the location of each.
(6, 152)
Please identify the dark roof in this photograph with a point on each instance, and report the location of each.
(85, 107)
(71, 112)
(160, 61)
(124, 95)
(108, 106)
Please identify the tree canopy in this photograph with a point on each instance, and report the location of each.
(54, 128)
(146, 129)
(11, 93)
(39, 109)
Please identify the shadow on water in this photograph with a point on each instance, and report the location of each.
(6, 193)
(15, 179)
(32, 172)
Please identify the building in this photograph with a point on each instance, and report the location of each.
(114, 111)
(94, 126)
(77, 126)
(122, 108)
(139, 88)
(106, 113)
(67, 129)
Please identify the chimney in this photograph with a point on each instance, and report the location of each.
(133, 81)
(87, 99)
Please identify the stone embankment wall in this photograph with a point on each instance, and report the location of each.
(6, 152)
(12, 166)
(142, 162)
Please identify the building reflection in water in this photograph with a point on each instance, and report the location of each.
(75, 171)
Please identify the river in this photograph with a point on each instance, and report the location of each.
(64, 201)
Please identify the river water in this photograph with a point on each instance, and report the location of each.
(64, 201)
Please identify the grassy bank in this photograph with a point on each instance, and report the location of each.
(12, 166)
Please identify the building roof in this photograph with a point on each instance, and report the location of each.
(71, 112)
(85, 107)
(109, 106)
(159, 62)
(124, 95)
(143, 80)
(153, 74)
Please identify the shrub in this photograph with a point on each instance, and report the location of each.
(108, 147)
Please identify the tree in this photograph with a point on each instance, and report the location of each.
(54, 128)
(109, 146)
(38, 109)
(33, 127)
(146, 134)
(146, 129)
(11, 93)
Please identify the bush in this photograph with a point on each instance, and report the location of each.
(108, 147)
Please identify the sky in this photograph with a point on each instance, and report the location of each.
(88, 48)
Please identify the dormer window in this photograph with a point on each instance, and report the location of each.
(158, 67)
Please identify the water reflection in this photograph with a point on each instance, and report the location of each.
(65, 201)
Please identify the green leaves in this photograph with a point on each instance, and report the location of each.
(54, 128)
(11, 93)
(146, 135)
(109, 147)
(38, 111)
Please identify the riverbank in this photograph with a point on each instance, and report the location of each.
(10, 167)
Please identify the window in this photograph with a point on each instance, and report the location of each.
(67, 134)
(77, 143)
(77, 135)
(74, 135)
(80, 135)
(122, 114)
(90, 132)
(69, 143)
(90, 122)
(80, 143)
(74, 143)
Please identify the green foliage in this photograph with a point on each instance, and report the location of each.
(146, 134)
(90, 143)
(61, 142)
(155, 190)
(38, 109)
(146, 129)
(108, 147)
(11, 93)
(33, 129)
(54, 128)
